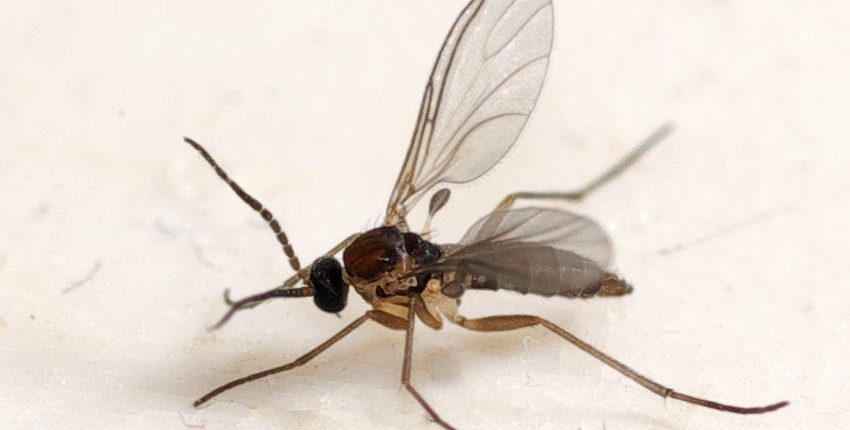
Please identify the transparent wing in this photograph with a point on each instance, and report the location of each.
(553, 228)
(481, 91)
(532, 250)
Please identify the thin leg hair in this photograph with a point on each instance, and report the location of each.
(513, 322)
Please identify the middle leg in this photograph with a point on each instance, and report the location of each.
(408, 362)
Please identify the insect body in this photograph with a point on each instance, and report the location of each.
(481, 91)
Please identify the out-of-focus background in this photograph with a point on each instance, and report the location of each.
(116, 239)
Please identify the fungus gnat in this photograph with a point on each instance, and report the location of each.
(482, 88)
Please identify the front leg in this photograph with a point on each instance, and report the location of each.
(303, 274)
(408, 363)
(379, 317)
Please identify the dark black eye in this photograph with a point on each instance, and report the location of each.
(331, 291)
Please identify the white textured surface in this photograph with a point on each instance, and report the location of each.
(309, 106)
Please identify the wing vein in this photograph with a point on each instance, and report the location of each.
(518, 31)
(478, 97)
(487, 97)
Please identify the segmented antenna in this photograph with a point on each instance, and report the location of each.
(253, 203)
(247, 302)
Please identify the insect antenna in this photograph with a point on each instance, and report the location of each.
(253, 203)
(250, 301)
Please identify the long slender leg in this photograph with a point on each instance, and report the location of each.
(612, 172)
(253, 203)
(408, 362)
(298, 361)
(513, 322)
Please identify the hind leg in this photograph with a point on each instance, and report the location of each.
(513, 322)
(612, 172)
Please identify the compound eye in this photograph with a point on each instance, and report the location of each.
(331, 290)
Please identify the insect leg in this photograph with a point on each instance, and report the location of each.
(512, 322)
(253, 203)
(612, 172)
(298, 361)
(408, 361)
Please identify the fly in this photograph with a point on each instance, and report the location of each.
(481, 91)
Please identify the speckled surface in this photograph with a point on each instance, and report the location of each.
(116, 240)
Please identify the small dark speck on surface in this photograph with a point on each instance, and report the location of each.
(164, 228)
(81, 282)
(40, 212)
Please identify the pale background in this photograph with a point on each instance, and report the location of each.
(734, 231)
